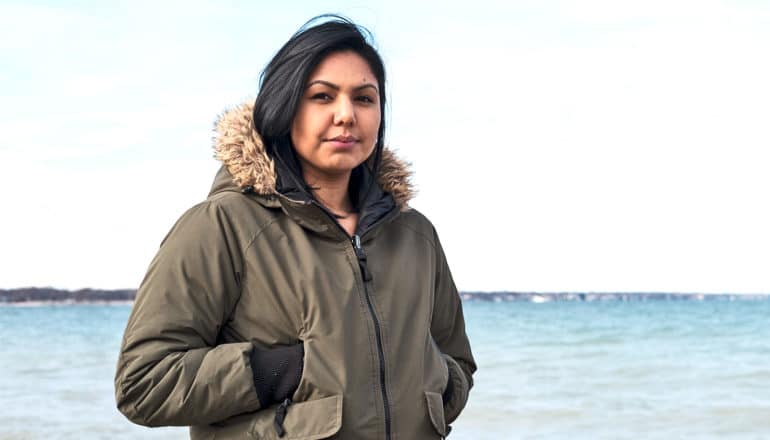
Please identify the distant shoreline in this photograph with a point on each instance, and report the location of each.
(38, 296)
(32, 296)
(540, 297)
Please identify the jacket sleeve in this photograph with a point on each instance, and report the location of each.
(171, 371)
(448, 330)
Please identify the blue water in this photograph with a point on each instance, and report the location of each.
(595, 370)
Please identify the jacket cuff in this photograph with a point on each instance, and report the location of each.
(456, 394)
(277, 372)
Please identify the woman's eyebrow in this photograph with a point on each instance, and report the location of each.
(336, 87)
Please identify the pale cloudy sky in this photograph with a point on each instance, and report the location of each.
(558, 145)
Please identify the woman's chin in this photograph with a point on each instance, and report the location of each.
(338, 168)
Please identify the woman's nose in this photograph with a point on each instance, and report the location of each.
(344, 113)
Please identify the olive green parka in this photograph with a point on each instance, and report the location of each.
(378, 314)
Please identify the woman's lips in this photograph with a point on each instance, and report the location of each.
(342, 141)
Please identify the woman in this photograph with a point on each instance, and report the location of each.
(303, 299)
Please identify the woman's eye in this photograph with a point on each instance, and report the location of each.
(321, 97)
(366, 99)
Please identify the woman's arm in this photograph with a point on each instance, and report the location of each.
(448, 330)
(171, 371)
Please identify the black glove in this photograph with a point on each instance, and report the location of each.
(277, 372)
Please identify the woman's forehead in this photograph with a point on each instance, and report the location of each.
(343, 68)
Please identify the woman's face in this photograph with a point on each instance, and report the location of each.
(335, 128)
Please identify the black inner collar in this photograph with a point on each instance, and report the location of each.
(368, 199)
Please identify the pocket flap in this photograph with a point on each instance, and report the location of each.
(436, 411)
(310, 420)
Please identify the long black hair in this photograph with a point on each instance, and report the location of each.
(282, 82)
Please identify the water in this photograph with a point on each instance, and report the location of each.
(594, 370)
(617, 370)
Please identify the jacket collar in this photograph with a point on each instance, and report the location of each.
(240, 149)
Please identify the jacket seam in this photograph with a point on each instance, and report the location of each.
(250, 243)
(214, 201)
(241, 282)
(420, 233)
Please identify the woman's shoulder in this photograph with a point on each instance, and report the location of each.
(233, 213)
(416, 221)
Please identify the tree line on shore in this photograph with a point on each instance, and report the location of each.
(47, 294)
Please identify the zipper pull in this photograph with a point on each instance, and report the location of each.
(280, 416)
(361, 255)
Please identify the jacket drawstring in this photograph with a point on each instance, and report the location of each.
(280, 415)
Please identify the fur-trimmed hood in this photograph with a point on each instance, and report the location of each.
(240, 149)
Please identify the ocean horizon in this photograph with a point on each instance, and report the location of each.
(36, 296)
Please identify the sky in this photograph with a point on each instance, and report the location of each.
(585, 146)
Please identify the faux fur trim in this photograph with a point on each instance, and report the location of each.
(241, 150)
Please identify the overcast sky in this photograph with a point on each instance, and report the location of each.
(558, 145)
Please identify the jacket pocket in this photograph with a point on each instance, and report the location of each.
(309, 420)
(436, 412)
(436, 368)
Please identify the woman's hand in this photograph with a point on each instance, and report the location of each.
(277, 372)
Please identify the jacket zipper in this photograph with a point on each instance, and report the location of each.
(367, 276)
